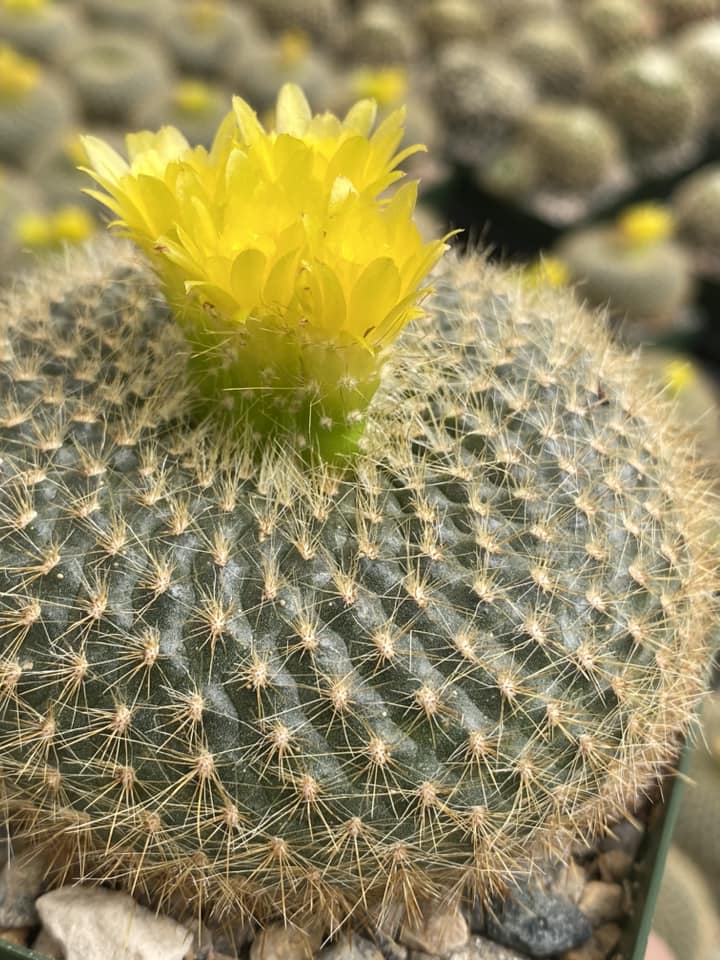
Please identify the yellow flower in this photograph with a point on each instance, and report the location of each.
(280, 249)
(680, 376)
(193, 96)
(71, 224)
(546, 272)
(386, 85)
(293, 48)
(34, 231)
(645, 224)
(23, 6)
(18, 74)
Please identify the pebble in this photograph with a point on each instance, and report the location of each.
(481, 949)
(16, 935)
(47, 947)
(91, 923)
(604, 939)
(571, 881)
(615, 865)
(351, 948)
(21, 880)
(625, 836)
(278, 942)
(388, 947)
(601, 901)
(439, 930)
(538, 923)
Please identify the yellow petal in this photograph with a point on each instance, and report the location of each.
(360, 118)
(292, 113)
(374, 295)
(247, 277)
(104, 161)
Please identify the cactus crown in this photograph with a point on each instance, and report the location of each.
(645, 224)
(288, 271)
(386, 85)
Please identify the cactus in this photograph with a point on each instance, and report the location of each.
(574, 148)
(379, 35)
(632, 266)
(35, 110)
(16, 195)
(447, 21)
(698, 49)
(38, 28)
(614, 27)
(138, 16)
(481, 101)
(277, 684)
(696, 204)
(685, 915)
(554, 53)
(652, 99)
(115, 75)
(322, 20)
(206, 37)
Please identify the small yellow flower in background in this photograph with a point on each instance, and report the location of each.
(388, 86)
(680, 375)
(645, 224)
(193, 96)
(204, 15)
(24, 7)
(289, 265)
(48, 231)
(34, 231)
(293, 47)
(18, 75)
(72, 224)
(546, 272)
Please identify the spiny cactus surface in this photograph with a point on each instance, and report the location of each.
(275, 687)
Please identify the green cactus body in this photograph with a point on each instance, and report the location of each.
(379, 35)
(32, 124)
(115, 75)
(44, 33)
(685, 915)
(653, 100)
(259, 74)
(696, 204)
(320, 19)
(649, 283)
(129, 15)
(280, 689)
(446, 21)
(481, 101)
(205, 38)
(698, 49)
(614, 27)
(574, 147)
(555, 54)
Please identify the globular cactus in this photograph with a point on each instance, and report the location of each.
(206, 37)
(480, 100)
(425, 608)
(696, 206)
(698, 49)
(38, 28)
(632, 266)
(653, 100)
(322, 20)
(574, 148)
(35, 110)
(129, 15)
(379, 35)
(685, 915)
(554, 53)
(115, 75)
(447, 21)
(17, 193)
(505, 12)
(613, 27)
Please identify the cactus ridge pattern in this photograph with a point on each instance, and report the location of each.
(274, 688)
